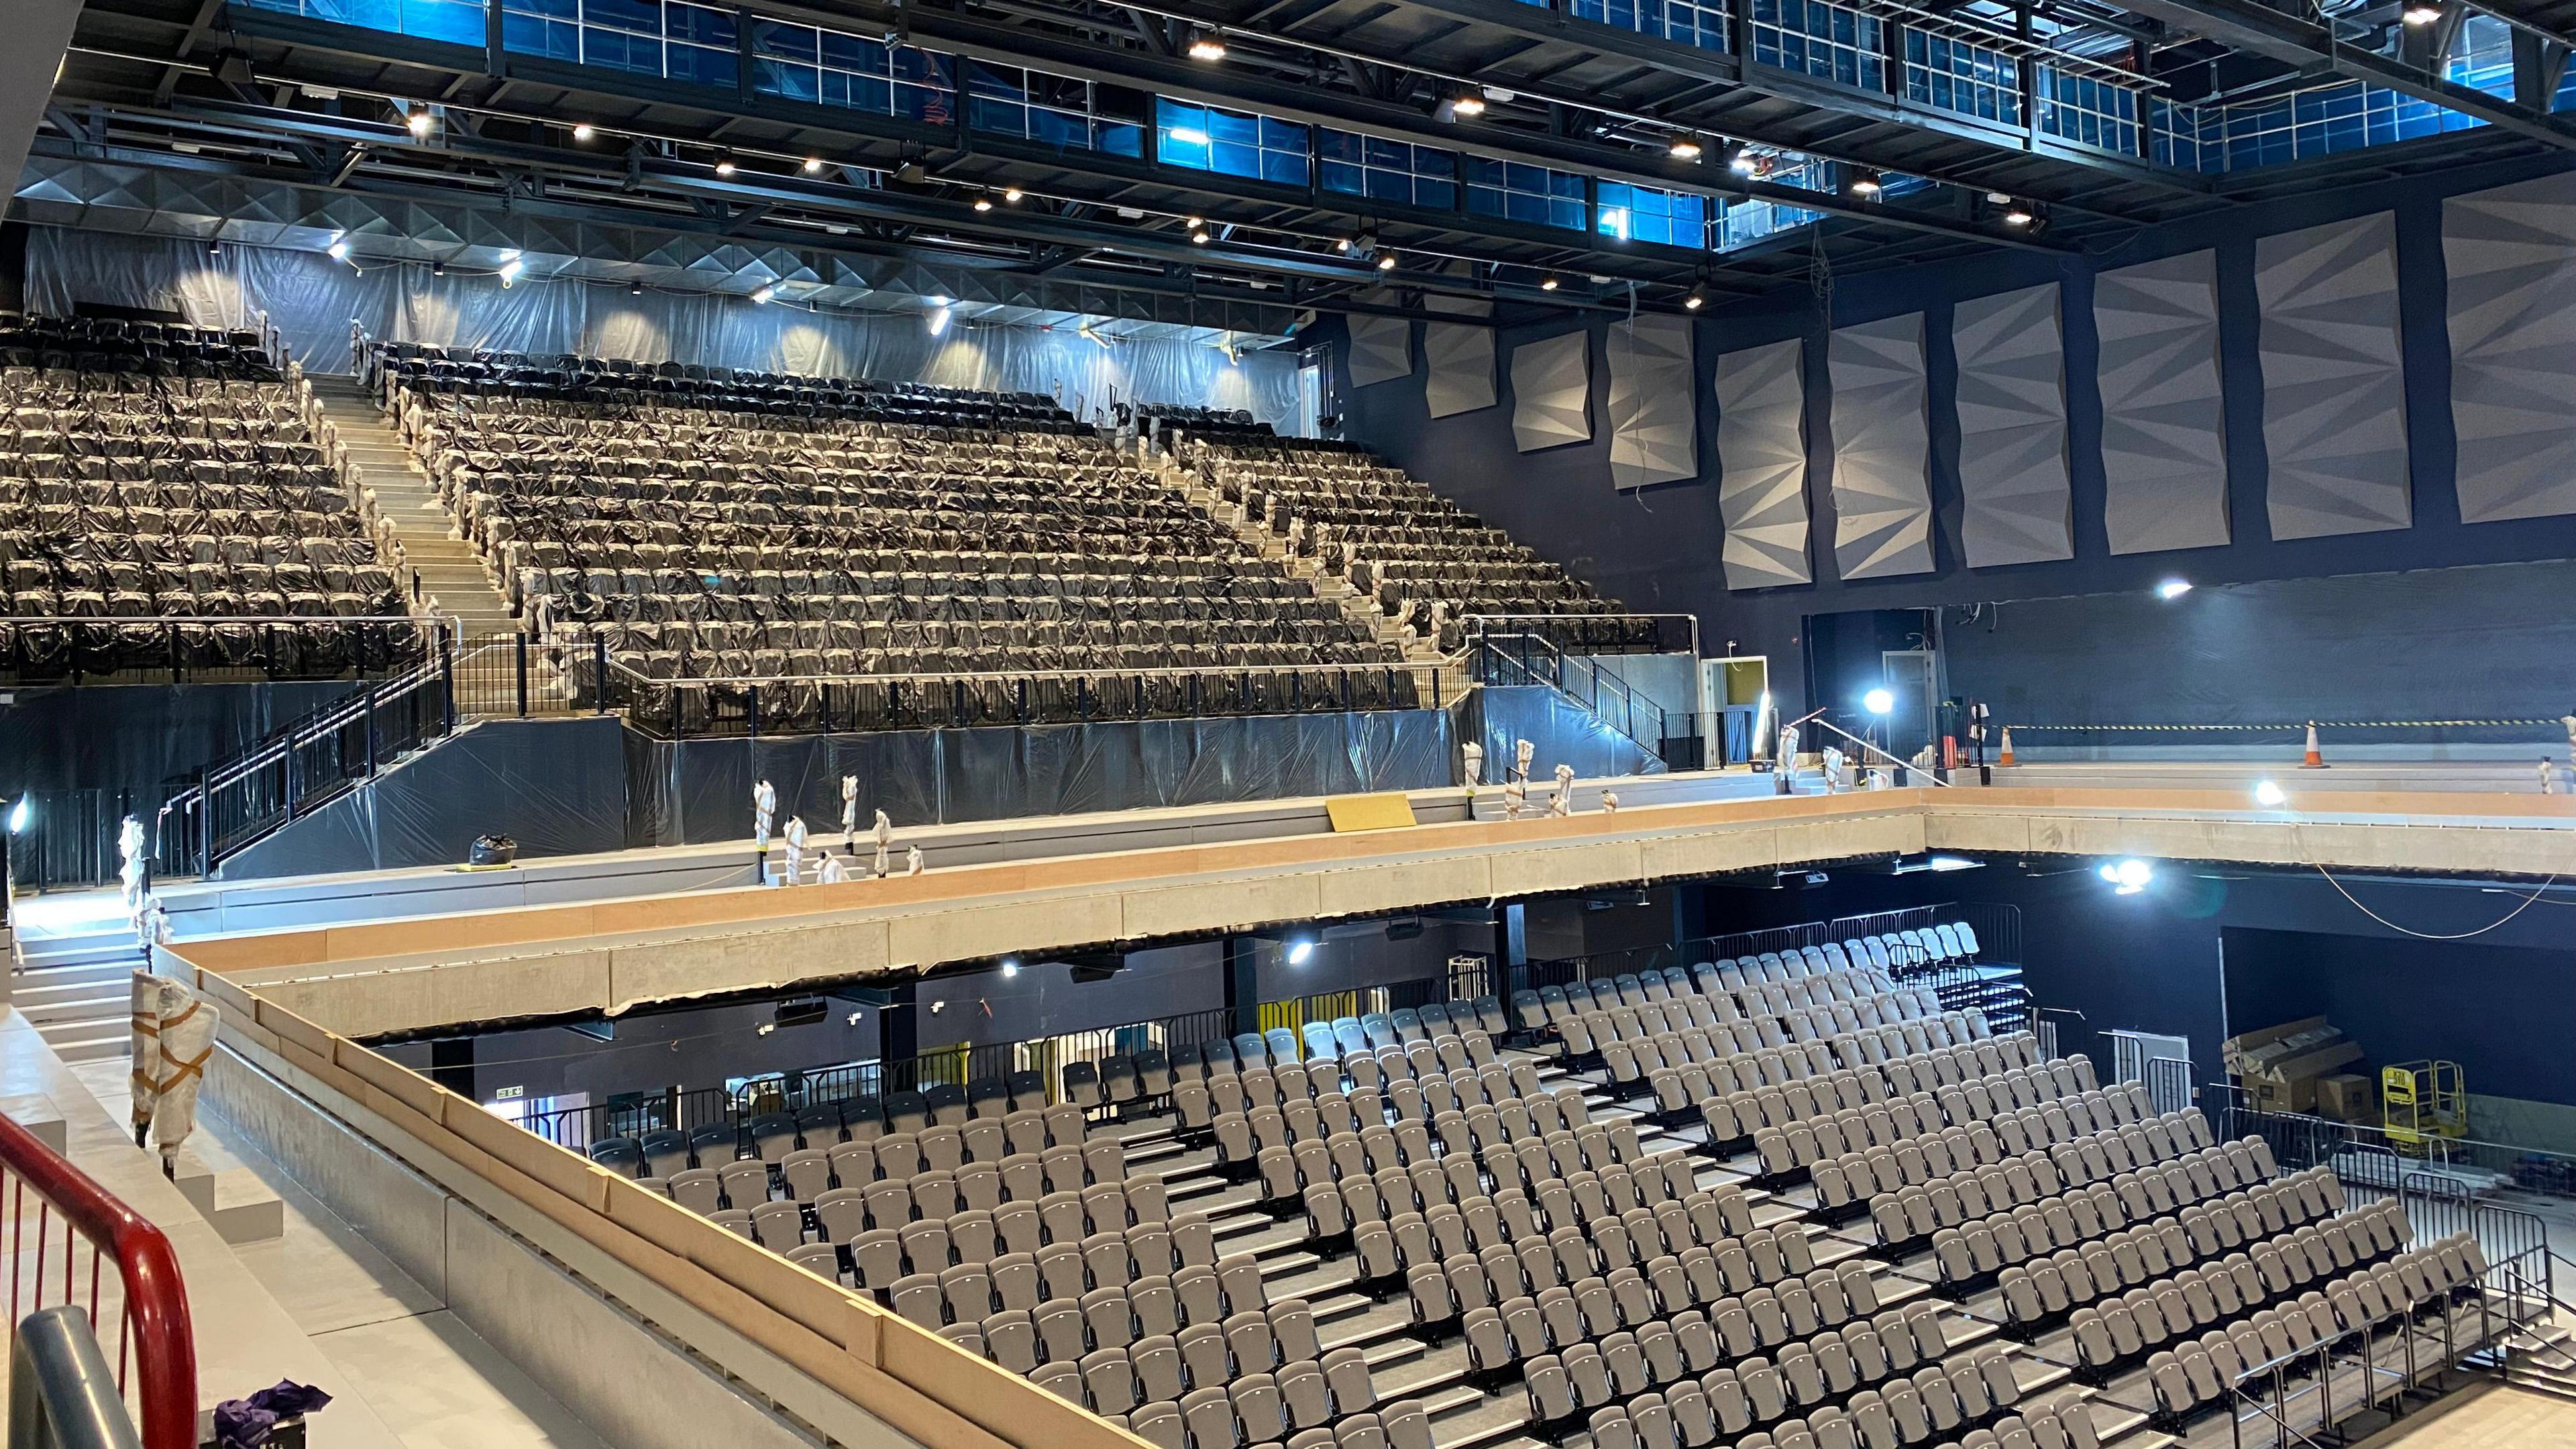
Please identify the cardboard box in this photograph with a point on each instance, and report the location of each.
(2278, 1066)
(2348, 1097)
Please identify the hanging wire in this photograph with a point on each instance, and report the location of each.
(2524, 905)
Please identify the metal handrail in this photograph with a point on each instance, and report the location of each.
(1508, 623)
(62, 1394)
(153, 1325)
(1816, 718)
(1104, 672)
(1627, 694)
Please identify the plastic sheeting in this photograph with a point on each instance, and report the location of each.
(558, 787)
(312, 300)
(1564, 733)
(691, 792)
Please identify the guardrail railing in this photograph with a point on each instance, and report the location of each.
(74, 1243)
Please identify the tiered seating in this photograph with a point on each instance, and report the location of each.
(726, 526)
(154, 471)
(1396, 1208)
(1427, 561)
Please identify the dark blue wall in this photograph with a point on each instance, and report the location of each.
(1658, 549)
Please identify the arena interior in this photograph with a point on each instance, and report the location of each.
(1288, 724)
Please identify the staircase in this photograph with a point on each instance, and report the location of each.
(76, 990)
(1422, 654)
(451, 579)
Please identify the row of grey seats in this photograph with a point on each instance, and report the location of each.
(2279, 1340)
(1061, 1257)
(1448, 1274)
(1389, 1074)
(1822, 1146)
(2160, 1205)
(1189, 1314)
(2114, 1329)
(1399, 1121)
(1974, 1081)
(1901, 1418)
(2047, 1288)
(1600, 1149)
(1631, 1059)
(1908, 1212)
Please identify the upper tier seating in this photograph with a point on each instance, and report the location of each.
(1427, 561)
(161, 471)
(714, 525)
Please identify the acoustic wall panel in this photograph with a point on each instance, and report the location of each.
(2334, 389)
(1462, 368)
(1654, 429)
(1762, 462)
(2164, 453)
(1552, 392)
(1381, 349)
(1882, 497)
(2012, 429)
(2512, 257)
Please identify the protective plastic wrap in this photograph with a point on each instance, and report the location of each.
(1563, 732)
(693, 791)
(312, 299)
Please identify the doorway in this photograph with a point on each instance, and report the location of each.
(1886, 657)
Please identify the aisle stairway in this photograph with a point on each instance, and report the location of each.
(452, 579)
(74, 989)
(1422, 654)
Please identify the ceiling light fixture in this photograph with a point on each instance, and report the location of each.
(510, 270)
(339, 251)
(1867, 185)
(635, 289)
(1205, 46)
(765, 294)
(418, 122)
(2019, 214)
(1468, 103)
(2421, 15)
(813, 165)
(1343, 245)
(1199, 234)
(983, 203)
(438, 269)
(1386, 263)
(1547, 284)
(1011, 194)
(1696, 300)
(2172, 589)
(1739, 157)
(725, 168)
(1686, 148)
(584, 131)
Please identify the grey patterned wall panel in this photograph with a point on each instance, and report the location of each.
(1462, 368)
(2164, 456)
(1552, 392)
(2012, 429)
(1882, 499)
(2334, 389)
(1381, 349)
(1762, 457)
(2512, 258)
(1654, 426)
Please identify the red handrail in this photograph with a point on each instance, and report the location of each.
(152, 1327)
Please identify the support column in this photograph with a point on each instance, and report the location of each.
(451, 1065)
(1511, 950)
(899, 1030)
(1242, 984)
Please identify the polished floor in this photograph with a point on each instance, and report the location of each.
(2490, 1417)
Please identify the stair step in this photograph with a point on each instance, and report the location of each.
(90, 1048)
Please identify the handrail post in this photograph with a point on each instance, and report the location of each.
(521, 648)
(446, 684)
(599, 673)
(371, 731)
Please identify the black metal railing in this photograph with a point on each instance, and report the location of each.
(736, 1103)
(1529, 659)
(1593, 633)
(304, 765)
(2366, 1159)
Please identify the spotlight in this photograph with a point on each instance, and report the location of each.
(417, 122)
(1696, 300)
(1878, 701)
(1205, 46)
(585, 131)
(1867, 185)
(1300, 949)
(1010, 967)
(18, 815)
(2129, 876)
(214, 248)
(1467, 103)
(340, 251)
(1199, 235)
(813, 165)
(1343, 245)
(1547, 284)
(2269, 795)
(2172, 589)
(510, 270)
(2018, 214)
(765, 1028)
(2420, 15)
(510, 254)
(983, 203)
(765, 294)
(635, 289)
(1386, 263)
(1195, 222)
(438, 269)
(1011, 193)
(937, 319)
(725, 168)
(1686, 148)
(1738, 159)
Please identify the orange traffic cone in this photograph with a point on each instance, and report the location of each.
(2316, 759)
(2006, 757)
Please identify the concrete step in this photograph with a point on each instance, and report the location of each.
(59, 1010)
(88, 1045)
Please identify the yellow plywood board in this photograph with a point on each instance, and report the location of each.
(1392, 811)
